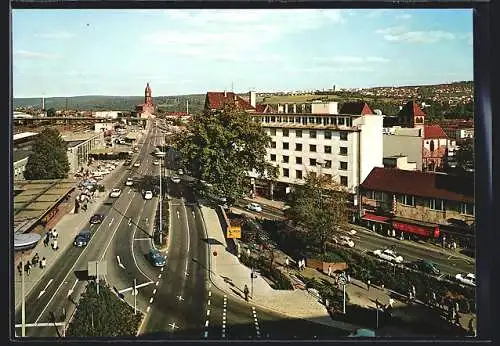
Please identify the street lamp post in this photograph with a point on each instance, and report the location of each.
(161, 207)
(23, 303)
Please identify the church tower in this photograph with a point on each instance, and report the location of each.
(148, 100)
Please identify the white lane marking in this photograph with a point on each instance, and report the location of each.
(209, 293)
(132, 245)
(206, 323)
(113, 219)
(150, 300)
(208, 312)
(206, 334)
(159, 276)
(208, 303)
(43, 291)
(148, 308)
(157, 283)
(154, 291)
(180, 298)
(161, 269)
(119, 262)
(72, 287)
(225, 297)
(173, 325)
(142, 239)
(178, 215)
(192, 212)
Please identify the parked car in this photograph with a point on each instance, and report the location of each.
(127, 163)
(115, 193)
(175, 179)
(467, 279)
(96, 218)
(156, 258)
(148, 194)
(362, 333)
(129, 182)
(82, 239)
(344, 241)
(254, 207)
(137, 164)
(156, 162)
(426, 266)
(388, 255)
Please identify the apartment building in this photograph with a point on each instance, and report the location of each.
(419, 205)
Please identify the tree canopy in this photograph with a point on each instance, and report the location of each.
(465, 154)
(49, 159)
(220, 147)
(319, 207)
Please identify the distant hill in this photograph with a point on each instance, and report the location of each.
(118, 103)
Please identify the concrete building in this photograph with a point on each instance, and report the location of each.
(104, 127)
(398, 141)
(107, 114)
(419, 205)
(22, 148)
(79, 147)
(399, 162)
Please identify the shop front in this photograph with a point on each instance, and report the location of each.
(377, 223)
(415, 230)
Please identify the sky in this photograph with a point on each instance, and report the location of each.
(76, 52)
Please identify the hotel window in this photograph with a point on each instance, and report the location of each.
(311, 120)
(273, 144)
(312, 148)
(298, 146)
(349, 122)
(298, 160)
(369, 194)
(406, 200)
(318, 120)
(312, 134)
(341, 121)
(285, 132)
(273, 157)
(286, 172)
(467, 208)
(343, 181)
(328, 149)
(298, 174)
(273, 132)
(312, 162)
(285, 145)
(328, 163)
(286, 159)
(326, 121)
(343, 166)
(273, 119)
(304, 121)
(298, 133)
(328, 134)
(377, 195)
(343, 151)
(343, 136)
(333, 121)
(434, 204)
(297, 120)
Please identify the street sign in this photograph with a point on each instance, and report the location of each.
(234, 232)
(342, 279)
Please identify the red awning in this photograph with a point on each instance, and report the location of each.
(411, 228)
(376, 218)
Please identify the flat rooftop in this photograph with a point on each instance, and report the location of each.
(24, 135)
(34, 198)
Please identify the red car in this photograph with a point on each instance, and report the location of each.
(97, 218)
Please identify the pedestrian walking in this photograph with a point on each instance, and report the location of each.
(287, 262)
(55, 234)
(413, 290)
(20, 268)
(27, 268)
(433, 298)
(348, 278)
(43, 263)
(368, 283)
(391, 302)
(245, 292)
(457, 306)
(46, 240)
(55, 246)
(457, 319)
(330, 270)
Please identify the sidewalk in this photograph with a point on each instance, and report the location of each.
(450, 252)
(229, 275)
(67, 227)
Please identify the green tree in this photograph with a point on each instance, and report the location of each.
(51, 112)
(465, 154)
(221, 147)
(49, 159)
(319, 207)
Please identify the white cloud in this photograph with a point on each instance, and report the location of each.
(400, 34)
(56, 35)
(34, 55)
(351, 59)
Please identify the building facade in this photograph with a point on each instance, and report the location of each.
(146, 109)
(80, 146)
(419, 205)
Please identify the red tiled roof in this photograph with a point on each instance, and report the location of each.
(356, 108)
(423, 184)
(434, 131)
(411, 108)
(217, 100)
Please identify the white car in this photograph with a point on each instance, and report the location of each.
(467, 279)
(175, 179)
(180, 171)
(115, 193)
(156, 162)
(344, 241)
(254, 207)
(148, 195)
(129, 182)
(388, 255)
(137, 164)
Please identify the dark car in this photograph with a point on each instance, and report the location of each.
(82, 239)
(97, 218)
(156, 258)
(426, 266)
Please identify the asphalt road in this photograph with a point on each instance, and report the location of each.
(368, 241)
(62, 284)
